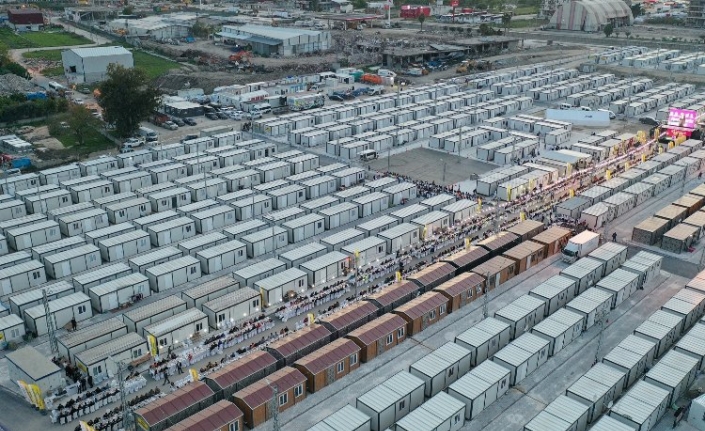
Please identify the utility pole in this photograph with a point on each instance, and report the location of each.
(274, 406)
(127, 423)
(51, 324)
(486, 299)
(601, 321)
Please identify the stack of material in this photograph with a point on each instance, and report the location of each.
(679, 238)
(13, 84)
(650, 230)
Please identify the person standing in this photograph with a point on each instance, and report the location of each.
(73, 324)
(166, 378)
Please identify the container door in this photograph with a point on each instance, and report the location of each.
(113, 301)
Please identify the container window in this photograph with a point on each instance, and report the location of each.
(199, 327)
(402, 404)
(432, 314)
(235, 426)
(400, 332)
(137, 352)
(298, 391)
(390, 339)
(442, 309)
(221, 317)
(341, 367)
(162, 342)
(81, 309)
(15, 333)
(193, 270)
(283, 399)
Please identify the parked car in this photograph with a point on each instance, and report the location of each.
(179, 122)
(236, 115)
(650, 121)
(222, 115)
(211, 115)
(336, 97)
(253, 115)
(190, 121)
(170, 125)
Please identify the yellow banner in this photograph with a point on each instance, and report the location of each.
(398, 275)
(608, 174)
(153, 347)
(85, 426)
(660, 149)
(25, 392)
(571, 193)
(643, 158)
(509, 193)
(467, 243)
(522, 216)
(194, 375)
(357, 254)
(38, 396)
(311, 318)
(568, 169)
(479, 205)
(142, 423)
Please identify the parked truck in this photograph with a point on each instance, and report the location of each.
(579, 246)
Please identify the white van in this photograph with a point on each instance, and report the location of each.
(585, 108)
(386, 73)
(565, 106)
(612, 114)
(368, 155)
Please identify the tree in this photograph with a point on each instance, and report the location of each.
(421, 19)
(126, 98)
(636, 9)
(628, 34)
(80, 121)
(127, 10)
(200, 29)
(359, 4)
(506, 20)
(608, 30)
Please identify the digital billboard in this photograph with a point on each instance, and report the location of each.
(685, 118)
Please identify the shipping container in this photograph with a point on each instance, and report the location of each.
(172, 274)
(232, 307)
(178, 329)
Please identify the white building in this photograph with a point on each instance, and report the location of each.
(87, 65)
(277, 40)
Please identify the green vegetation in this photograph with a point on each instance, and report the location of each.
(39, 39)
(526, 10)
(93, 139)
(50, 55)
(608, 30)
(16, 107)
(523, 23)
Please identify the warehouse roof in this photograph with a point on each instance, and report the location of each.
(105, 51)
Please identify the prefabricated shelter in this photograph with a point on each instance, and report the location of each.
(169, 199)
(521, 314)
(389, 402)
(87, 192)
(496, 375)
(496, 271)
(441, 367)
(646, 265)
(572, 207)
(400, 237)
(265, 241)
(239, 374)
(460, 210)
(41, 251)
(692, 202)
(319, 186)
(221, 256)
(485, 339)
(171, 231)
(401, 192)
(213, 218)
(40, 203)
(74, 306)
(583, 276)
(254, 400)
(137, 319)
(554, 332)
(199, 243)
(409, 212)
(526, 255)
(379, 335)
(42, 232)
(222, 415)
(588, 308)
(153, 219)
(176, 329)
(673, 214)
(252, 206)
(500, 242)
(304, 227)
(12, 329)
(248, 275)
(32, 367)
(641, 412)
(338, 240)
(366, 251)
(467, 258)
(59, 174)
(339, 215)
(232, 307)
(432, 223)
(345, 320)
(349, 177)
(554, 294)
(102, 360)
(116, 293)
(371, 203)
(679, 238)
(171, 409)
(293, 258)
(85, 281)
(22, 276)
(196, 296)
(97, 166)
(346, 419)
(296, 345)
(442, 412)
(522, 356)
(275, 288)
(612, 254)
(331, 362)
(620, 284)
(175, 273)
(650, 231)
(662, 336)
(96, 236)
(90, 336)
(594, 394)
(155, 257)
(326, 268)
(82, 222)
(73, 261)
(393, 296)
(527, 229)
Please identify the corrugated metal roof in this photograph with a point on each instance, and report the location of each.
(104, 51)
(379, 398)
(409, 210)
(263, 234)
(175, 322)
(419, 306)
(219, 249)
(91, 332)
(259, 268)
(490, 372)
(10, 321)
(260, 392)
(209, 287)
(172, 265)
(607, 423)
(175, 402)
(231, 299)
(545, 421)
(350, 315)
(328, 355)
(347, 419)
(433, 274)
(58, 304)
(588, 389)
(215, 417)
(110, 348)
(235, 372)
(378, 329)
(280, 279)
(299, 340)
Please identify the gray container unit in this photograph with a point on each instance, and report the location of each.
(101, 361)
(232, 307)
(252, 206)
(633, 176)
(222, 256)
(431, 223)
(410, 212)
(283, 216)
(594, 394)
(623, 202)
(193, 245)
(574, 320)
(169, 151)
(366, 251)
(485, 339)
(12, 209)
(609, 376)
(22, 301)
(172, 274)
(55, 214)
(319, 186)
(85, 281)
(545, 421)
(598, 215)
(537, 348)
(631, 363)
(659, 181)
(135, 158)
(340, 239)
(172, 231)
(660, 335)
(521, 315)
(276, 287)
(209, 188)
(683, 366)
(248, 275)
(573, 207)
(177, 328)
(170, 199)
(389, 402)
(157, 311)
(380, 184)
(116, 293)
(196, 296)
(438, 202)
(241, 229)
(613, 255)
(108, 175)
(97, 166)
(242, 180)
(22, 276)
(586, 307)
(132, 181)
(642, 407)
(44, 202)
(400, 237)
(553, 297)
(303, 163)
(74, 306)
(675, 173)
(401, 192)
(25, 237)
(124, 246)
(229, 198)
(694, 347)
(472, 391)
(3, 246)
(460, 210)
(104, 202)
(87, 192)
(233, 157)
(339, 215)
(304, 227)
(95, 236)
(378, 224)
(349, 194)
(583, 276)
(371, 203)
(326, 268)
(441, 367)
(442, 412)
(689, 312)
(287, 196)
(166, 173)
(83, 222)
(293, 258)
(81, 180)
(620, 284)
(691, 164)
(155, 257)
(196, 207)
(148, 221)
(201, 164)
(330, 168)
(265, 241)
(72, 261)
(316, 205)
(554, 332)
(42, 251)
(59, 174)
(642, 191)
(90, 336)
(303, 176)
(273, 171)
(270, 186)
(213, 218)
(145, 192)
(496, 375)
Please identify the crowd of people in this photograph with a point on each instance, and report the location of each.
(306, 302)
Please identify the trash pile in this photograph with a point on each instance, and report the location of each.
(12, 84)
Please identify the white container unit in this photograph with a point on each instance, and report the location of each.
(194, 245)
(149, 190)
(303, 163)
(29, 236)
(400, 237)
(349, 177)
(213, 218)
(74, 306)
(241, 229)
(101, 361)
(410, 212)
(265, 241)
(339, 215)
(124, 246)
(523, 356)
(242, 179)
(59, 174)
(157, 311)
(222, 256)
(248, 275)
(620, 284)
(12, 209)
(169, 199)
(366, 251)
(622, 202)
(97, 166)
(42, 251)
(103, 202)
(229, 198)
(85, 281)
(87, 192)
(116, 293)
(22, 301)
(22, 276)
(12, 328)
(304, 227)
(401, 192)
(82, 222)
(485, 339)
(287, 196)
(441, 367)
(274, 288)
(174, 273)
(442, 412)
(196, 296)
(340, 239)
(252, 206)
(432, 223)
(319, 186)
(135, 158)
(177, 329)
(209, 188)
(131, 181)
(154, 219)
(371, 203)
(167, 173)
(390, 401)
(232, 307)
(642, 407)
(44, 202)
(172, 231)
(326, 268)
(72, 261)
(521, 315)
(155, 257)
(662, 336)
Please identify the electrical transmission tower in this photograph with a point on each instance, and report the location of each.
(486, 299)
(601, 321)
(51, 324)
(127, 417)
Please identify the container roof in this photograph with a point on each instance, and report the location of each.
(328, 355)
(394, 292)
(461, 283)
(235, 372)
(378, 329)
(466, 257)
(419, 306)
(31, 362)
(299, 340)
(214, 417)
(175, 402)
(260, 392)
(432, 273)
(350, 315)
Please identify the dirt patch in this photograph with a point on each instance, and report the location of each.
(49, 144)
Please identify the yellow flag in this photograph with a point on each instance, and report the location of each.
(311, 318)
(608, 174)
(643, 158)
(657, 133)
(660, 149)
(627, 165)
(479, 205)
(425, 231)
(194, 375)
(522, 216)
(357, 254)
(467, 243)
(85, 426)
(571, 193)
(568, 169)
(153, 347)
(398, 275)
(509, 193)
(39, 399)
(26, 392)
(671, 144)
